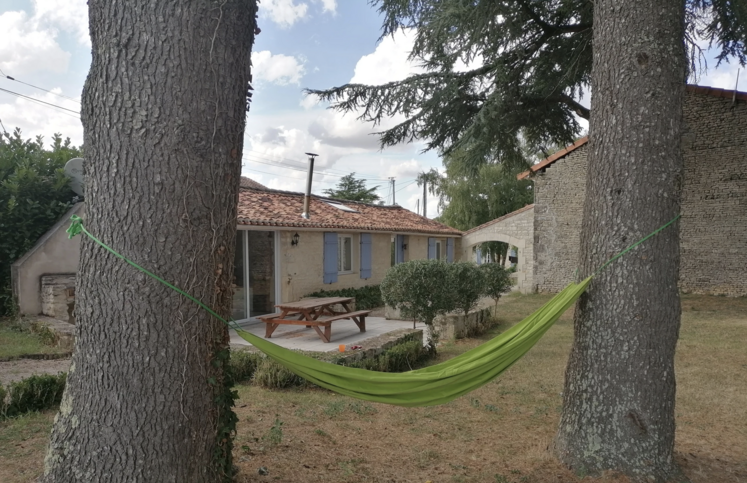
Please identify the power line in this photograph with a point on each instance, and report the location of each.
(37, 87)
(284, 176)
(41, 102)
(300, 166)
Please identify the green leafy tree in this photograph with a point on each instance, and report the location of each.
(350, 188)
(429, 180)
(421, 290)
(467, 285)
(497, 280)
(34, 193)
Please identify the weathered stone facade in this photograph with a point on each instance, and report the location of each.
(58, 296)
(517, 229)
(559, 195)
(713, 227)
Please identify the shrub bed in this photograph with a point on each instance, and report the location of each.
(31, 394)
(366, 298)
(262, 371)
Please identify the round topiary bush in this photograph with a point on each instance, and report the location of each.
(496, 280)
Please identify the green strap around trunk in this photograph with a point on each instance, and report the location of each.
(429, 386)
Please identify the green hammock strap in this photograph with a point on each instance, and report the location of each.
(76, 227)
(635, 245)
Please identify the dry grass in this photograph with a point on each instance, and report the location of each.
(499, 433)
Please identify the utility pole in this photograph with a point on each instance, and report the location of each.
(417, 209)
(393, 197)
(307, 198)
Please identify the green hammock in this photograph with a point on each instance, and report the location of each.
(422, 387)
(435, 384)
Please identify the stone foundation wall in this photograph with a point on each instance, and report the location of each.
(58, 296)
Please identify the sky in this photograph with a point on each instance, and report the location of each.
(302, 44)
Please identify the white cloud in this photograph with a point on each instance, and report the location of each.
(37, 119)
(388, 62)
(278, 69)
(68, 15)
(283, 12)
(309, 102)
(328, 6)
(26, 47)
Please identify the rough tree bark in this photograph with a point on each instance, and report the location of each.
(618, 408)
(163, 115)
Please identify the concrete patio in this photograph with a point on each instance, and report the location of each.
(343, 332)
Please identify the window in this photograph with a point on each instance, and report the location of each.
(345, 253)
(438, 250)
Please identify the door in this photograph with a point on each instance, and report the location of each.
(254, 287)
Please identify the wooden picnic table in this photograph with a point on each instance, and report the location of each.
(316, 313)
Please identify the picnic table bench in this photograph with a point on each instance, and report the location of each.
(317, 313)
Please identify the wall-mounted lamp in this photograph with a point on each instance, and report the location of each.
(294, 241)
(404, 246)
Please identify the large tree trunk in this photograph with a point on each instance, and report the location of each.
(163, 116)
(618, 408)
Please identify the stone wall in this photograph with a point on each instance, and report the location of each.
(516, 229)
(559, 195)
(58, 296)
(53, 253)
(713, 229)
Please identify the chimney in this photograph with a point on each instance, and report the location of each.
(307, 197)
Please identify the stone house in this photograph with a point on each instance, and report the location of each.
(280, 256)
(713, 227)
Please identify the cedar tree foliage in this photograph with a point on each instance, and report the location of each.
(528, 65)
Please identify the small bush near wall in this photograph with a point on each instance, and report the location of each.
(404, 356)
(32, 394)
(467, 285)
(497, 280)
(366, 298)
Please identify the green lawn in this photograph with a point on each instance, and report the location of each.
(15, 343)
(499, 433)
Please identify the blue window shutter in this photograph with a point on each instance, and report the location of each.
(399, 251)
(450, 250)
(330, 257)
(365, 255)
(431, 248)
(478, 256)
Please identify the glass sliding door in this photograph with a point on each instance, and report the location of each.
(261, 271)
(239, 309)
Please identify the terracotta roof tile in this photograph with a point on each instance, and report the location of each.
(551, 159)
(250, 183)
(269, 207)
(700, 90)
(492, 222)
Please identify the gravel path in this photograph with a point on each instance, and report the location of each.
(22, 368)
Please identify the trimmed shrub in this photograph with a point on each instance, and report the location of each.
(467, 285)
(368, 297)
(32, 394)
(244, 364)
(272, 375)
(497, 280)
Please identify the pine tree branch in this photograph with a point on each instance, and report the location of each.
(549, 28)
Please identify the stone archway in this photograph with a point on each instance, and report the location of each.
(517, 229)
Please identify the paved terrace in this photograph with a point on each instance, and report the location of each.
(343, 332)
